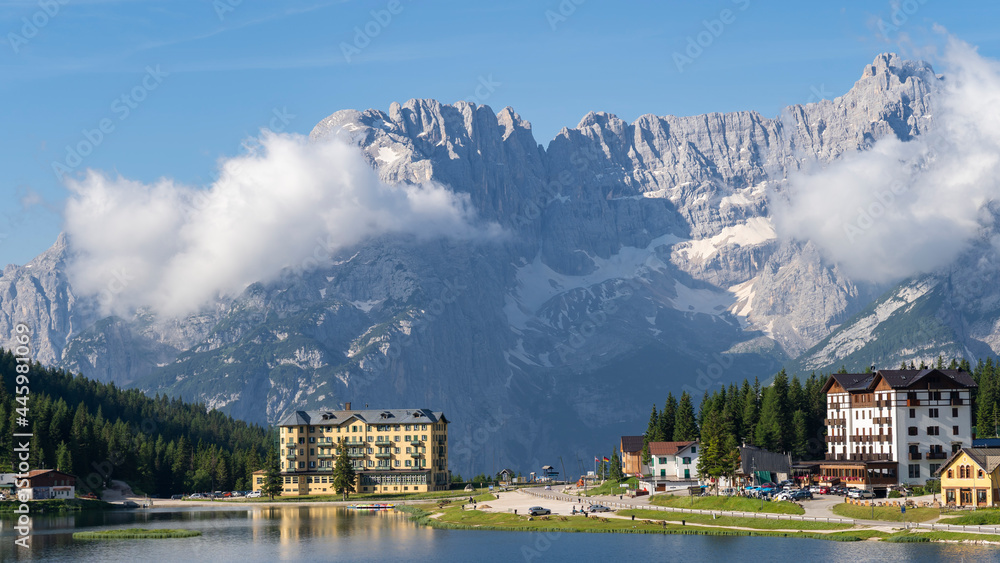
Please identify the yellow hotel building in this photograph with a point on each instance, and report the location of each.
(393, 451)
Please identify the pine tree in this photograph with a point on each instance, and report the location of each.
(653, 428)
(800, 435)
(751, 409)
(615, 473)
(344, 476)
(772, 430)
(272, 477)
(685, 425)
(64, 460)
(667, 417)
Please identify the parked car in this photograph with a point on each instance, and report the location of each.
(860, 494)
(548, 487)
(599, 508)
(802, 494)
(176, 497)
(824, 490)
(253, 494)
(538, 511)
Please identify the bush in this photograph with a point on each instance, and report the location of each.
(918, 491)
(932, 486)
(894, 494)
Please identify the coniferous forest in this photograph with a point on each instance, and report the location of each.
(99, 432)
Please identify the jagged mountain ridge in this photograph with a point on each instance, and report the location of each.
(642, 257)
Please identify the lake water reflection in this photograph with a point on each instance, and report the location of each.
(330, 533)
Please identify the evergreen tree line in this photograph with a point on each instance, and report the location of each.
(786, 416)
(98, 432)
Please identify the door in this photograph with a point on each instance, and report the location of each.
(687, 473)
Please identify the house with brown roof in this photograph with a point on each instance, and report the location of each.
(47, 484)
(894, 426)
(631, 449)
(674, 460)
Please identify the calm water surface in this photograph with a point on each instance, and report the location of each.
(327, 533)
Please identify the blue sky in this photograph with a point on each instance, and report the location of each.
(179, 84)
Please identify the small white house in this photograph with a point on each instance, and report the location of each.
(686, 461)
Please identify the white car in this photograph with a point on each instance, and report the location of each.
(253, 494)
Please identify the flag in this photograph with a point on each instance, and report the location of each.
(606, 458)
(595, 459)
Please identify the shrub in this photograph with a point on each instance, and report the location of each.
(933, 486)
(918, 491)
(894, 494)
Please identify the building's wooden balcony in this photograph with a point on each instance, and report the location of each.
(915, 456)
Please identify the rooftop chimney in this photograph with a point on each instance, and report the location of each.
(347, 406)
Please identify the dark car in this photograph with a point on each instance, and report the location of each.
(176, 497)
(599, 508)
(538, 511)
(802, 494)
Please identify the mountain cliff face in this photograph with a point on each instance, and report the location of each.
(641, 259)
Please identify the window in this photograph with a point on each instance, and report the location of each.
(935, 467)
(913, 431)
(954, 430)
(312, 429)
(663, 460)
(913, 413)
(914, 471)
(954, 413)
(933, 431)
(694, 449)
(979, 474)
(302, 440)
(951, 473)
(687, 461)
(408, 464)
(981, 496)
(950, 495)
(312, 451)
(933, 413)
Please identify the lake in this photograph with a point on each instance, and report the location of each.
(330, 533)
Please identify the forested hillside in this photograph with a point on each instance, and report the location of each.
(99, 432)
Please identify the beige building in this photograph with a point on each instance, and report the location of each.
(394, 451)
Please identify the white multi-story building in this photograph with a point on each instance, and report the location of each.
(895, 426)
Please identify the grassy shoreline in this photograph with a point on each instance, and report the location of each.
(7, 507)
(453, 518)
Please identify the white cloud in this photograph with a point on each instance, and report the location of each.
(176, 249)
(903, 208)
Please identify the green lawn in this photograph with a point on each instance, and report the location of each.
(981, 517)
(756, 523)
(135, 533)
(455, 518)
(736, 504)
(610, 488)
(887, 513)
